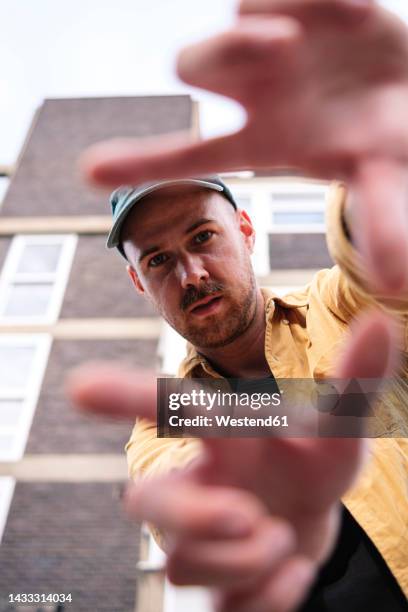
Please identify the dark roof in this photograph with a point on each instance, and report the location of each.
(46, 181)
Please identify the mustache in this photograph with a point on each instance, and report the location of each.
(194, 295)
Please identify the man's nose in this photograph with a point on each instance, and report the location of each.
(191, 271)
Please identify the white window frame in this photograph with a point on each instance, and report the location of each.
(59, 278)
(29, 395)
(7, 485)
(295, 189)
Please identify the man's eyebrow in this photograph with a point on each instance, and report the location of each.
(191, 228)
(147, 252)
(197, 224)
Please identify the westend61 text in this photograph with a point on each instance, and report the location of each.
(228, 421)
(218, 399)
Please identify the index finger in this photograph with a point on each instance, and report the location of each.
(132, 161)
(110, 390)
(185, 509)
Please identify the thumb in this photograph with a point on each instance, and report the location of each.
(105, 389)
(372, 350)
(369, 358)
(132, 161)
(371, 354)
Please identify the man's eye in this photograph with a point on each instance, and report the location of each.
(203, 236)
(157, 260)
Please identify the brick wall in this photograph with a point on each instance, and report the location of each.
(99, 285)
(70, 538)
(57, 427)
(47, 181)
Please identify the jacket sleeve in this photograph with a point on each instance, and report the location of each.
(148, 455)
(347, 289)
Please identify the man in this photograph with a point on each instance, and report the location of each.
(188, 252)
(350, 124)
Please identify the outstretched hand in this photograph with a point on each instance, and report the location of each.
(325, 87)
(252, 518)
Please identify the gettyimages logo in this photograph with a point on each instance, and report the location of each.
(208, 401)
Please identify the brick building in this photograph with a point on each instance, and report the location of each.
(65, 299)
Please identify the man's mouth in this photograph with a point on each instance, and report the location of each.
(207, 305)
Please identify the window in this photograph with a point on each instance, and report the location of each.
(279, 205)
(6, 493)
(23, 359)
(297, 209)
(34, 278)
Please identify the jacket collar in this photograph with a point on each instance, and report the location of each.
(196, 365)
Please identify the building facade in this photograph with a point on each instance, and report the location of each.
(65, 299)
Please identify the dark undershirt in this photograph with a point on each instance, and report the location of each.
(356, 577)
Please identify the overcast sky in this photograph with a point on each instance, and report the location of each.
(76, 48)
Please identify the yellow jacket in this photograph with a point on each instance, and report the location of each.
(304, 332)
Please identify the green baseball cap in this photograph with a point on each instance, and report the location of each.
(123, 199)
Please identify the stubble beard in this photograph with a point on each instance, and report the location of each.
(220, 331)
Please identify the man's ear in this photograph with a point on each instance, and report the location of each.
(135, 279)
(247, 229)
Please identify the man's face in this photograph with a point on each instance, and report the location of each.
(190, 255)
